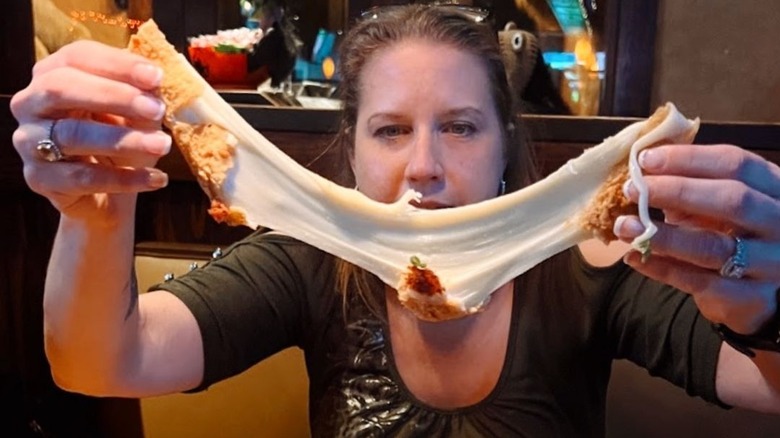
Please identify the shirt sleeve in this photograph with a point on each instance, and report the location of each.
(251, 302)
(660, 328)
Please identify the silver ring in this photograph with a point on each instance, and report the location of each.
(736, 265)
(47, 149)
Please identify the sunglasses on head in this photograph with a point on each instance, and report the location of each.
(477, 14)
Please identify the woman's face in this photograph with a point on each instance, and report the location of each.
(426, 121)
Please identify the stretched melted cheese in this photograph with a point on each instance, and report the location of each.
(470, 250)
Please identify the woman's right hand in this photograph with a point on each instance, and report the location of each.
(98, 104)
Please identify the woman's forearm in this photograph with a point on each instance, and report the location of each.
(90, 302)
(749, 383)
(769, 365)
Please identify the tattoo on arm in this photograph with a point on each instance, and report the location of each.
(133, 293)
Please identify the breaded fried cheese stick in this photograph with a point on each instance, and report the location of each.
(444, 263)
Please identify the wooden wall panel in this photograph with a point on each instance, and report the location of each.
(17, 55)
(630, 29)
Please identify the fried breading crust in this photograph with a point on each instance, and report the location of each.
(206, 147)
(609, 202)
(178, 87)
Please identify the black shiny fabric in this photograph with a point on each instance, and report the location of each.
(364, 395)
(365, 400)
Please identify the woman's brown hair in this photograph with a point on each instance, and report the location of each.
(439, 24)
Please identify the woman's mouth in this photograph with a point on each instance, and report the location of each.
(429, 204)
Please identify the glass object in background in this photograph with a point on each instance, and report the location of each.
(248, 8)
(320, 66)
(59, 22)
(583, 77)
(261, 14)
(314, 78)
(571, 50)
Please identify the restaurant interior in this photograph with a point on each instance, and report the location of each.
(586, 69)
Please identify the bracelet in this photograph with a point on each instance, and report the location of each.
(767, 338)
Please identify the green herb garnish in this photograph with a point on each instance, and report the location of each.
(417, 263)
(227, 48)
(644, 249)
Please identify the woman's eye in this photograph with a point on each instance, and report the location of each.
(461, 129)
(391, 131)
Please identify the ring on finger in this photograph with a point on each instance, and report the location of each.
(47, 149)
(736, 265)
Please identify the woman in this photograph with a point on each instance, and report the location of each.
(426, 107)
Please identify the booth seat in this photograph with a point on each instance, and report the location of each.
(271, 398)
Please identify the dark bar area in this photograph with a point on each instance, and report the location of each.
(640, 62)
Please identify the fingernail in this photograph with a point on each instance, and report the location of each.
(628, 227)
(149, 74)
(149, 107)
(158, 143)
(628, 188)
(157, 179)
(650, 159)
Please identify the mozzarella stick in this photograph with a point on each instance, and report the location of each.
(444, 263)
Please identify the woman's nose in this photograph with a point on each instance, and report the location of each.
(425, 161)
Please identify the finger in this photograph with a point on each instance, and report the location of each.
(104, 61)
(721, 200)
(85, 178)
(58, 93)
(740, 304)
(698, 247)
(84, 137)
(679, 218)
(139, 124)
(76, 138)
(25, 138)
(714, 162)
(705, 249)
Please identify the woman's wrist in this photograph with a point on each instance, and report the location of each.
(106, 214)
(767, 338)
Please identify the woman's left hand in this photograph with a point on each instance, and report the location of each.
(709, 196)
